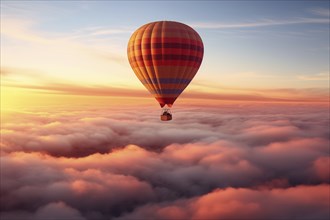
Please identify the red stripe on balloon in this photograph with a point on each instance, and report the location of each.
(164, 57)
(168, 51)
(165, 63)
(178, 45)
(171, 40)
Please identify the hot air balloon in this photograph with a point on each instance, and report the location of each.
(165, 56)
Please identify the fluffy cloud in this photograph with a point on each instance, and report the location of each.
(321, 166)
(307, 202)
(238, 161)
(82, 133)
(51, 211)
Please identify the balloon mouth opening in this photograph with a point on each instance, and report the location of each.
(165, 101)
(166, 105)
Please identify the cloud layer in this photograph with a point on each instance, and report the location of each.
(226, 161)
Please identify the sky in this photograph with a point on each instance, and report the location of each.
(81, 137)
(272, 49)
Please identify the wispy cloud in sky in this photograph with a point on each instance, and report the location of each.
(64, 56)
(319, 76)
(26, 30)
(36, 81)
(321, 11)
(260, 23)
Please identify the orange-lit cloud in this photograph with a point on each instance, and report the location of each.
(321, 166)
(238, 203)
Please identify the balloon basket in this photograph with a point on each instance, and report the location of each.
(166, 115)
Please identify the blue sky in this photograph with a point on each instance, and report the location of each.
(248, 44)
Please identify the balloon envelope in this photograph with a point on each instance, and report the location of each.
(165, 56)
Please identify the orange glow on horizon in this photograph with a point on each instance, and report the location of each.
(13, 99)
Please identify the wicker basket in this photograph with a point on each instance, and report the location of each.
(166, 117)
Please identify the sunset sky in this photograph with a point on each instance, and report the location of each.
(81, 136)
(265, 49)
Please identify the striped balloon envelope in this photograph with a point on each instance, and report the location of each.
(165, 56)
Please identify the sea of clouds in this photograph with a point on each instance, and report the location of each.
(239, 160)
